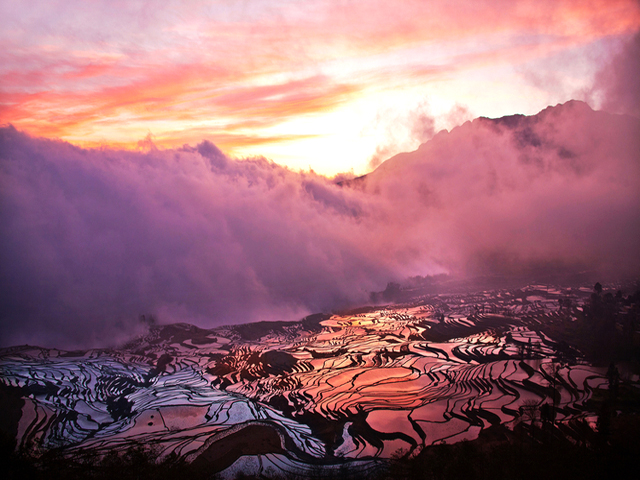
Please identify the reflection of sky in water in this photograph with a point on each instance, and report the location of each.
(374, 366)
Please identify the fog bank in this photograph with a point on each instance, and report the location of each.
(91, 239)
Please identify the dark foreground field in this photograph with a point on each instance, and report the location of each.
(496, 454)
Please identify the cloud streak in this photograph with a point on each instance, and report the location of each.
(78, 70)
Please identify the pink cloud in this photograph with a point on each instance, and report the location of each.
(90, 62)
(93, 238)
(619, 81)
(522, 193)
(186, 233)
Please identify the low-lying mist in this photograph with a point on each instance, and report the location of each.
(91, 239)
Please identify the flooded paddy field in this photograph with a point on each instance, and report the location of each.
(333, 390)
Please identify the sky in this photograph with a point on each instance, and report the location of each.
(332, 86)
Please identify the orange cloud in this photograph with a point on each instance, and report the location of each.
(379, 25)
(241, 69)
(189, 93)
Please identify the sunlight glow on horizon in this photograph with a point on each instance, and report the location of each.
(326, 85)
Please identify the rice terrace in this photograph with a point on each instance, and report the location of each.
(347, 394)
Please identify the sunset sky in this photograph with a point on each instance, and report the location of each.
(329, 85)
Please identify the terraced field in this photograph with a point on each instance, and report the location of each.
(339, 389)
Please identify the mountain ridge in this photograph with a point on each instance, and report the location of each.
(512, 122)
